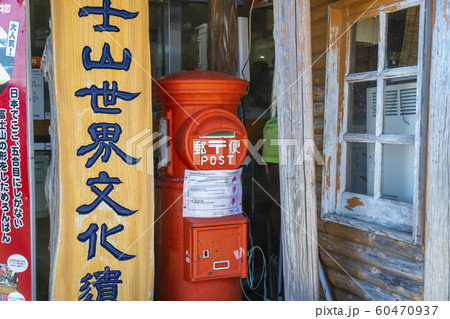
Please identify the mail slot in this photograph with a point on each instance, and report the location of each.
(212, 139)
(215, 248)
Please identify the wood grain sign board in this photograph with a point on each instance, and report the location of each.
(104, 248)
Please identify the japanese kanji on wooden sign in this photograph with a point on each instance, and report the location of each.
(102, 239)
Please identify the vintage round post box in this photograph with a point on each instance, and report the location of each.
(198, 258)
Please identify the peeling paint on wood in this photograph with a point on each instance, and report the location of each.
(375, 241)
(400, 265)
(437, 226)
(353, 202)
(384, 279)
(361, 288)
(297, 180)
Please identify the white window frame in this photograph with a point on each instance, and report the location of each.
(401, 221)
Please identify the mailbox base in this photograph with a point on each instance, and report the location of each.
(172, 231)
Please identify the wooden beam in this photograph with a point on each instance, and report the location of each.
(373, 256)
(295, 121)
(342, 295)
(360, 288)
(376, 241)
(222, 36)
(437, 226)
(379, 277)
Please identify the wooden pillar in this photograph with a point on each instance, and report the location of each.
(297, 167)
(437, 225)
(222, 36)
(100, 178)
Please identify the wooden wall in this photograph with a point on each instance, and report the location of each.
(358, 264)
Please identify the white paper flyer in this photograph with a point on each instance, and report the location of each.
(212, 193)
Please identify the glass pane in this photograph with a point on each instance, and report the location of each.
(400, 106)
(260, 68)
(364, 45)
(156, 28)
(39, 16)
(262, 60)
(194, 35)
(362, 107)
(398, 172)
(360, 168)
(403, 37)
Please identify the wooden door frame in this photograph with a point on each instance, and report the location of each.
(437, 223)
(293, 76)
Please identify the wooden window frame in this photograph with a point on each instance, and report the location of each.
(394, 219)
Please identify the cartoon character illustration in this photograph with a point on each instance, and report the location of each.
(8, 45)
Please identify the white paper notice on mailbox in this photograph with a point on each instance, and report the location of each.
(212, 193)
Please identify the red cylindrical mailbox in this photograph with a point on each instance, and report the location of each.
(198, 258)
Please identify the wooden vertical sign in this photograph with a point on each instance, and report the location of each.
(102, 245)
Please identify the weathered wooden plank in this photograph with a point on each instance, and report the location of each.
(406, 287)
(360, 288)
(320, 225)
(422, 99)
(318, 93)
(386, 73)
(385, 138)
(319, 61)
(319, 28)
(319, 44)
(335, 73)
(373, 256)
(368, 226)
(437, 226)
(376, 241)
(319, 13)
(322, 294)
(319, 176)
(318, 125)
(318, 141)
(222, 36)
(320, 3)
(318, 206)
(85, 236)
(318, 109)
(295, 118)
(363, 9)
(342, 295)
(381, 212)
(318, 78)
(318, 187)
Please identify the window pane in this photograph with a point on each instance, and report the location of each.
(400, 106)
(193, 36)
(156, 28)
(398, 172)
(362, 107)
(360, 168)
(364, 45)
(403, 38)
